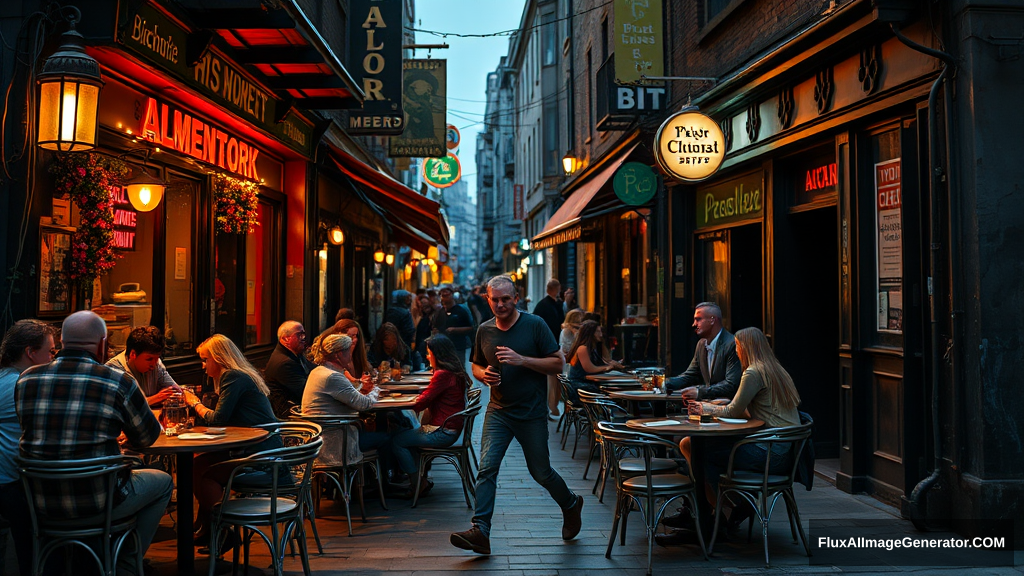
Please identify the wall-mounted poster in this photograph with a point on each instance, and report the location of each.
(424, 89)
(889, 241)
(54, 252)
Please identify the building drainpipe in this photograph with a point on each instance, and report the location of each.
(938, 175)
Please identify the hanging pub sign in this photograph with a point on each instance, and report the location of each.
(424, 88)
(635, 183)
(375, 54)
(889, 242)
(690, 146)
(737, 200)
(442, 172)
(638, 40)
(518, 208)
(156, 37)
(177, 130)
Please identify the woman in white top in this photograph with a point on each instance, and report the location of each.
(329, 393)
(569, 330)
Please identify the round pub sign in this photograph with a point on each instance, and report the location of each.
(452, 138)
(442, 172)
(635, 183)
(690, 146)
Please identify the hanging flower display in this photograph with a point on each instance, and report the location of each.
(236, 204)
(90, 180)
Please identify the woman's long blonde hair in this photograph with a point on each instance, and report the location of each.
(224, 352)
(573, 319)
(757, 354)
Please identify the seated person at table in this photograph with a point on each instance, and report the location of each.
(389, 346)
(141, 361)
(28, 343)
(287, 369)
(570, 328)
(75, 408)
(585, 357)
(444, 396)
(767, 392)
(242, 401)
(358, 364)
(329, 393)
(714, 371)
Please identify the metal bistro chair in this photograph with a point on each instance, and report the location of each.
(458, 454)
(474, 394)
(292, 433)
(342, 476)
(598, 408)
(762, 489)
(646, 488)
(282, 504)
(46, 481)
(575, 415)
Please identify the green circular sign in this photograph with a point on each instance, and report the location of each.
(635, 183)
(442, 172)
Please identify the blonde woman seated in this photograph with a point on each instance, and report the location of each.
(586, 357)
(767, 392)
(329, 393)
(570, 328)
(242, 401)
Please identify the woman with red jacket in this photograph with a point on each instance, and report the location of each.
(444, 396)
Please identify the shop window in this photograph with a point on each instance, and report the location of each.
(225, 284)
(716, 273)
(179, 266)
(259, 279)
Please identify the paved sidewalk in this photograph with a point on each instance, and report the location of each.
(525, 538)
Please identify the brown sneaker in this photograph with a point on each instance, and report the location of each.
(473, 539)
(572, 520)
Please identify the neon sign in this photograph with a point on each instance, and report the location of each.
(179, 131)
(125, 221)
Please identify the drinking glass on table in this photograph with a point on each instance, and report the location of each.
(175, 414)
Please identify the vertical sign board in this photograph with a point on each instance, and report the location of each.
(638, 40)
(518, 207)
(889, 240)
(375, 52)
(424, 89)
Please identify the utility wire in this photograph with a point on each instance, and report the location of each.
(511, 32)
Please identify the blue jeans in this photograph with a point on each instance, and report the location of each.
(403, 441)
(498, 432)
(149, 492)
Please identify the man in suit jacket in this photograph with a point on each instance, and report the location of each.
(715, 370)
(287, 369)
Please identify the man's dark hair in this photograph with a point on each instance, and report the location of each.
(145, 339)
(592, 316)
(345, 314)
(23, 335)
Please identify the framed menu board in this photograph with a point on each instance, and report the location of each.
(54, 254)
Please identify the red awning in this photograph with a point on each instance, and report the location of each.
(405, 209)
(566, 224)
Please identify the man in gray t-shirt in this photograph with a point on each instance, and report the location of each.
(513, 354)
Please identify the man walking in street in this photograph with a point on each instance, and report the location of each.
(287, 369)
(75, 408)
(453, 321)
(549, 309)
(400, 315)
(513, 354)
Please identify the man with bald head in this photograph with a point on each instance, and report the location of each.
(75, 407)
(288, 369)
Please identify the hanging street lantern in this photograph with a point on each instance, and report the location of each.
(570, 164)
(378, 256)
(69, 95)
(336, 236)
(145, 191)
(389, 259)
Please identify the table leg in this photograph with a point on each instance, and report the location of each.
(706, 512)
(186, 515)
(660, 409)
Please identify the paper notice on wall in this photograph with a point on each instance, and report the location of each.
(889, 240)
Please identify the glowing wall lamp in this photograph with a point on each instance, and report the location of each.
(570, 163)
(378, 256)
(389, 259)
(145, 191)
(336, 236)
(69, 97)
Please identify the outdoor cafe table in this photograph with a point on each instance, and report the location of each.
(184, 451)
(698, 433)
(659, 400)
(403, 402)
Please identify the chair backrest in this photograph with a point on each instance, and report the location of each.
(290, 471)
(619, 437)
(793, 438)
(567, 395)
(46, 483)
(468, 417)
(474, 393)
(599, 409)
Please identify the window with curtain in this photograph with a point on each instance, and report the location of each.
(259, 285)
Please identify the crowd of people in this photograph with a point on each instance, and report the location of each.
(79, 404)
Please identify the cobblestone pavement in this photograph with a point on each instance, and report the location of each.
(526, 537)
